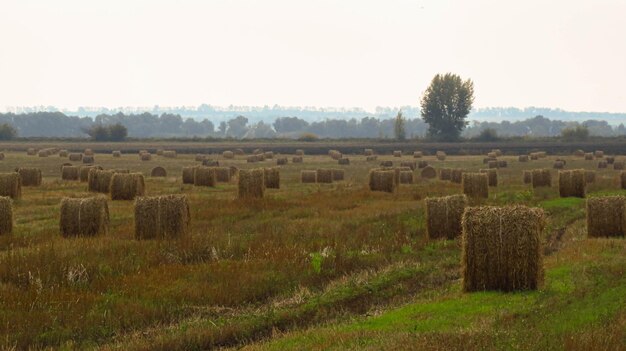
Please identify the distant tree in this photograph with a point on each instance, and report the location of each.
(399, 129)
(237, 127)
(117, 132)
(488, 134)
(97, 132)
(308, 137)
(578, 133)
(621, 130)
(222, 128)
(7, 132)
(289, 124)
(445, 106)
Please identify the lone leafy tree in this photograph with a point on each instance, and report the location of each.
(445, 106)
(398, 127)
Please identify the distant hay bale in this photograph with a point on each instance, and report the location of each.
(444, 215)
(429, 172)
(343, 161)
(84, 216)
(542, 154)
(558, 165)
(300, 152)
(161, 217)
(599, 154)
(368, 152)
(88, 152)
(590, 176)
(11, 185)
(522, 158)
(158, 171)
(386, 164)
(411, 164)
(145, 156)
(31, 152)
(200, 157)
(296, 159)
(63, 153)
(492, 155)
(30, 176)
(70, 173)
(541, 178)
(228, 154)
(75, 157)
(308, 176)
(561, 160)
(371, 158)
(579, 153)
(534, 156)
(169, 153)
(406, 177)
(618, 165)
(324, 175)
(88, 159)
(382, 180)
(623, 179)
(222, 174)
(528, 177)
(572, 183)
(441, 156)
(281, 161)
(445, 174)
(252, 159)
(84, 172)
(143, 152)
(117, 153)
(422, 164)
(251, 183)
(476, 185)
(99, 180)
(6, 215)
(335, 154)
(271, 178)
(606, 216)
(493, 164)
(492, 174)
(204, 176)
(502, 248)
(338, 174)
(188, 174)
(417, 154)
(456, 175)
(602, 164)
(588, 156)
(498, 152)
(502, 164)
(610, 159)
(210, 163)
(159, 152)
(127, 186)
(397, 153)
(269, 155)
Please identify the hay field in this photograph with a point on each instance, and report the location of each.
(309, 266)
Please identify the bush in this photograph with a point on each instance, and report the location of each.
(488, 134)
(113, 132)
(308, 137)
(578, 133)
(7, 132)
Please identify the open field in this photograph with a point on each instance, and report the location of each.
(310, 266)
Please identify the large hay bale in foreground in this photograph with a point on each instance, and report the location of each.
(590, 176)
(11, 185)
(606, 216)
(87, 159)
(271, 178)
(99, 180)
(30, 176)
(6, 215)
(159, 171)
(456, 175)
(528, 177)
(204, 176)
(444, 215)
(493, 176)
(502, 248)
(228, 154)
(476, 185)
(618, 165)
(406, 177)
(297, 159)
(522, 158)
(188, 174)
(75, 157)
(127, 186)
(251, 183)
(343, 161)
(397, 153)
(445, 174)
(572, 183)
(308, 176)
(428, 172)
(169, 153)
(383, 180)
(84, 216)
(541, 178)
(70, 173)
(117, 153)
(324, 175)
(161, 217)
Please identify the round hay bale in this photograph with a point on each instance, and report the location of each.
(31, 152)
(422, 164)
(493, 176)
(63, 153)
(145, 156)
(84, 172)
(386, 164)
(324, 175)
(210, 163)
(43, 153)
(599, 154)
(618, 165)
(88, 159)
(492, 154)
(338, 174)
(70, 172)
(188, 174)
(30, 176)
(299, 152)
(456, 175)
(406, 177)
(476, 185)
(117, 153)
(572, 183)
(605, 216)
(528, 177)
(417, 154)
(445, 174)
(502, 164)
(383, 180)
(251, 183)
(162, 217)
(441, 156)
(343, 161)
(228, 154)
(169, 153)
(522, 158)
(371, 158)
(222, 174)
(88, 152)
(492, 164)
(501, 248)
(84, 217)
(308, 176)
(11, 185)
(6, 215)
(444, 216)
(541, 178)
(410, 164)
(99, 180)
(368, 152)
(297, 159)
(159, 152)
(534, 156)
(497, 152)
(428, 172)
(127, 186)
(158, 171)
(281, 161)
(623, 179)
(204, 176)
(269, 155)
(200, 157)
(397, 153)
(602, 164)
(271, 178)
(252, 159)
(558, 165)
(590, 176)
(588, 156)
(75, 157)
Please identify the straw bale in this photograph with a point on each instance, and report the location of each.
(572, 183)
(269, 155)
(43, 153)
(456, 175)
(75, 157)
(534, 156)
(169, 153)
(338, 174)
(31, 152)
(417, 154)
(6, 215)
(476, 185)
(88, 159)
(606, 216)
(383, 180)
(70, 172)
(280, 161)
(308, 176)
(188, 174)
(492, 155)
(602, 164)
(368, 152)
(343, 161)
(158, 171)
(84, 172)
(444, 215)
(335, 154)
(84, 216)
(406, 177)
(522, 158)
(159, 152)
(445, 174)
(599, 154)
(117, 153)
(271, 178)
(162, 217)
(429, 172)
(558, 165)
(397, 153)
(299, 152)
(588, 156)
(441, 156)
(222, 174)
(618, 165)
(493, 176)
(145, 156)
(324, 175)
(252, 159)
(411, 164)
(127, 186)
(297, 159)
(498, 152)
(528, 177)
(228, 154)
(99, 180)
(541, 178)
(11, 185)
(251, 183)
(88, 152)
(204, 176)
(30, 176)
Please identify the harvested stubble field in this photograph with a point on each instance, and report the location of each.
(310, 266)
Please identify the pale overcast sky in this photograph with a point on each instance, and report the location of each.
(569, 54)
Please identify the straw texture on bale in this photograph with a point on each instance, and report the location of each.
(84, 217)
(422, 164)
(271, 178)
(204, 176)
(281, 161)
(251, 183)
(43, 153)
(99, 180)
(324, 175)
(622, 177)
(383, 180)
(84, 172)
(159, 152)
(501, 248)
(169, 153)
(368, 152)
(252, 159)
(492, 174)
(386, 164)
(558, 165)
(428, 172)
(308, 176)
(588, 156)
(127, 186)
(602, 164)
(476, 185)
(188, 175)
(441, 156)
(161, 217)
(411, 164)
(297, 159)
(88, 152)
(443, 216)
(406, 177)
(300, 152)
(228, 154)
(522, 158)
(445, 174)
(572, 183)
(493, 164)
(210, 163)
(590, 176)
(223, 174)
(417, 154)
(456, 175)
(11, 185)
(30, 176)
(158, 171)
(269, 155)
(397, 153)
(618, 165)
(338, 174)
(87, 159)
(541, 178)
(145, 156)
(534, 156)
(70, 173)
(117, 153)
(75, 157)
(606, 216)
(6, 215)
(528, 177)
(335, 154)
(599, 154)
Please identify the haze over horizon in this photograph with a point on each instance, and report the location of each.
(70, 53)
